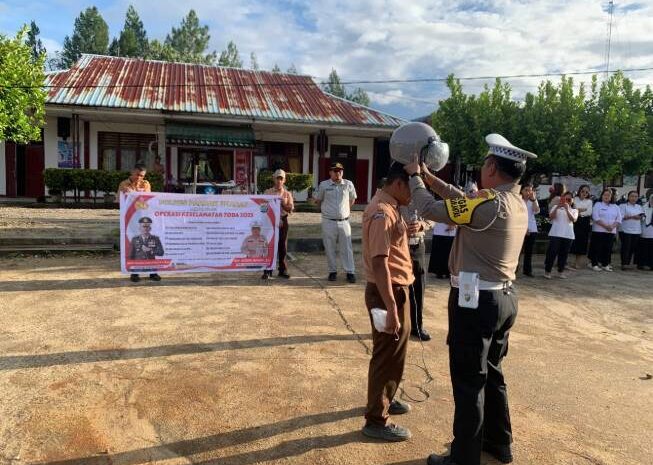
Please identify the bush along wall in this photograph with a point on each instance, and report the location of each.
(61, 181)
(295, 182)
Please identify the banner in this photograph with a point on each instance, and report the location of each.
(66, 157)
(175, 233)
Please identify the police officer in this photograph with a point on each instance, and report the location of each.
(255, 245)
(389, 272)
(335, 197)
(482, 300)
(417, 228)
(145, 246)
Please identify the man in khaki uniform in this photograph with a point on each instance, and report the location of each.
(287, 206)
(482, 301)
(136, 181)
(255, 245)
(389, 272)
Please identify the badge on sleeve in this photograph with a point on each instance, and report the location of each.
(461, 210)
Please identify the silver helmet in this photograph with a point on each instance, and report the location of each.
(418, 139)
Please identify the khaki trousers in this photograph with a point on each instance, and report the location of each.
(388, 355)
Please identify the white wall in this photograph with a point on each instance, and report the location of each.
(3, 174)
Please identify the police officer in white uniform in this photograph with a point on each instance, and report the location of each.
(335, 196)
(482, 301)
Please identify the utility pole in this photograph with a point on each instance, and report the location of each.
(608, 44)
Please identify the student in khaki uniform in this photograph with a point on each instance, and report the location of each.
(490, 234)
(255, 245)
(287, 206)
(389, 272)
(136, 181)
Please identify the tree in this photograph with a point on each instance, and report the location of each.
(230, 57)
(276, 68)
(132, 41)
(359, 96)
(90, 35)
(22, 98)
(292, 69)
(188, 43)
(334, 86)
(35, 43)
(253, 62)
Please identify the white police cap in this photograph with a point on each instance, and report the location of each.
(500, 147)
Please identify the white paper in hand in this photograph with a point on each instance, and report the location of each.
(379, 316)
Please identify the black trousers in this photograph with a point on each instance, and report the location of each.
(440, 251)
(558, 247)
(417, 255)
(628, 247)
(529, 244)
(478, 342)
(601, 248)
(644, 255)
(282, 250)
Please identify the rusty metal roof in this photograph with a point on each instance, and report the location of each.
(115, 82)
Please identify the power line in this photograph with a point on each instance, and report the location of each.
(302, 84)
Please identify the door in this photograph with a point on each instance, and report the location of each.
(346, 155)
(34, 166)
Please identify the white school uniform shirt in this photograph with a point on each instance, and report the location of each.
(440, 229)
(586, 204)
(561, 226)
(609, 213)
(532, 224)
(647, 231)
(631, 226)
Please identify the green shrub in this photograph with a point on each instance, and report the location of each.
(156, 181)
(295, 182)
(54, 179)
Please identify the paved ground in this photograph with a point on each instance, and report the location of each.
(225, 369)
(70, 223)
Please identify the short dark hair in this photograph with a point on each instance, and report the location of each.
(140, 167)
(395, 172)
(509, 168)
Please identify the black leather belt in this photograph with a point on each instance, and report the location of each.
(338, 219)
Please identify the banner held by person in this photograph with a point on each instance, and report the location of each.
(173, 233)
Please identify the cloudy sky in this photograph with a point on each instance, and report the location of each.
(391, 39)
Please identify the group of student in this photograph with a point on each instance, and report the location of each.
(581, 227)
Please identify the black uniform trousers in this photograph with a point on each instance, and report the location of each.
(417, 255)
(478, 342)
(529, 244)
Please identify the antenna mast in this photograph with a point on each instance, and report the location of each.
(608, 44)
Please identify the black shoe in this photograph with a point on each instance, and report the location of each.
(135, 278)
(502, 453)
(155, 277)
(422, 335)
(265, 275)
(398, 407)
(529, 274)
(332, 276)
(284, 275)
(435, 459)
(351, 278)
(389, 432)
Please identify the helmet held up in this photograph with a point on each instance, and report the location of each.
(421, 140)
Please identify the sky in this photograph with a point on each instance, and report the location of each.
(391, 39)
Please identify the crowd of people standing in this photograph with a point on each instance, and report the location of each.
(586, 228)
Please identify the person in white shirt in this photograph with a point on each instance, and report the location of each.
(335, 197)
(630, 228)
(442, 240)
(582, 226)
(644, 254)
(606, 216)
(533, 207)
(561, 235)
